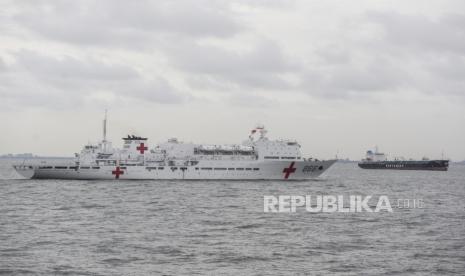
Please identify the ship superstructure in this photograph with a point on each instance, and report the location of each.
(256, 158)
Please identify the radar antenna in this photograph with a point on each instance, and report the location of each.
(260, 129)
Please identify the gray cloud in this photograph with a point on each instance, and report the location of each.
(233, 62)
(40, 80)
(123, 23)
(355, 80)
(444, 76)
(261, 67)
(447, 33)
(411, 53)
(156, 90)
(2, 66)
(250, 101)
(433, 50)
(67, 68)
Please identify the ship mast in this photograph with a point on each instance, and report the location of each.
(105, 127)
(104, 141)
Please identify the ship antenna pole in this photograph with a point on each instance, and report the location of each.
(104, 142)
(105, 127)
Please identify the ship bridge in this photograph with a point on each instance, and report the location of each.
(272, 149)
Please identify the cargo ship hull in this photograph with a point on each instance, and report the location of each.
(428, 165)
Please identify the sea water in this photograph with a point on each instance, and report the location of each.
(118, 227)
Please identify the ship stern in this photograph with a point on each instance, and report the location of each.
(25, 171)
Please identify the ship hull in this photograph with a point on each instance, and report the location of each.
(427, 165)
(258, 170)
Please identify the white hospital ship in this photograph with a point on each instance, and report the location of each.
(256, 158)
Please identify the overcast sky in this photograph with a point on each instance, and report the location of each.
(338, 76)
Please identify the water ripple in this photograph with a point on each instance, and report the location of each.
(54, 227)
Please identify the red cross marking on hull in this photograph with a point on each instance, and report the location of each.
(117, 172)
(141, 148)
(289, 170)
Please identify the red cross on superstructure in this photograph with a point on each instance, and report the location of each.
(289, 170)
(117, 172)
(141, 148)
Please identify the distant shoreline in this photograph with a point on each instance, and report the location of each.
(35, 157)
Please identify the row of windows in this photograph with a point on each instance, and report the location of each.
(153, 168)
(224, 153)
(277, 157)
(70, 167)
(229, 169)
(394, 165)
(205, 169)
